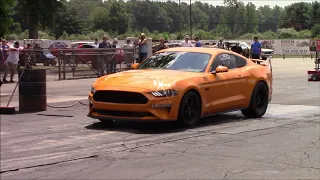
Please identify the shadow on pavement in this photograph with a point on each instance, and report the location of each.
(164, 127)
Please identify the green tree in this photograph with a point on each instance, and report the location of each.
(251, 25)
(315, 31)
(297, 16)
(67, 20)
(99, 19)
(265, 18)
(315, 13)
(233, 21)
(118, 18)
(5, 17)
(38, 13)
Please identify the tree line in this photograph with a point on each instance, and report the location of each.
(87, 19)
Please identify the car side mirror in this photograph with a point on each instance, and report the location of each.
(220, 69)
(134, 65)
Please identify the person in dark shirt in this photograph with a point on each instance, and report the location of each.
(105, 43)
(162, 45)
(237, 49)
(198, 43)
(256, 48)
(103, 60)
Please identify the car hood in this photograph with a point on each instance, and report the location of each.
(143, 79)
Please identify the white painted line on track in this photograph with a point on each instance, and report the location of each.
(59, 99)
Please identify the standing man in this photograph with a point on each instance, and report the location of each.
(256, 48)
(3, 56)
(105, 43)
(220, 44)
(12, 61)
(118, 56)
(103, 59)
(96, 42)
(128, 58)
(143, 48)
(198, 43)
(186, 42)
(161, 45)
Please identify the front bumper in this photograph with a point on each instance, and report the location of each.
(157, 108)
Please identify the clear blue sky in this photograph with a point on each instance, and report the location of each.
(272, 3)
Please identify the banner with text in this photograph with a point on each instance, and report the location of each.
(296, 46)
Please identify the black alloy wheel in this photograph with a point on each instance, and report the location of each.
(189, 110)
(258, 103)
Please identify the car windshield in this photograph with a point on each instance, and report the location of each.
(183, 61)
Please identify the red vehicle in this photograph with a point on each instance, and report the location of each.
(85, 50)
(315, 74)
(57, 45)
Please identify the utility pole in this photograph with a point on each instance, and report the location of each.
(234, 20)
(179, 19)
(190, 21)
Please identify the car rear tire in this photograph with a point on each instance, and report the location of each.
(46, 62)
(54, 62)
(189, 110)
(258, 103)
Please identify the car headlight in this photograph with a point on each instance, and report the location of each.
(165, 93)
(93, 90)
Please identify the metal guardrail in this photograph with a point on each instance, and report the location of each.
(81, 62)
(98, 61)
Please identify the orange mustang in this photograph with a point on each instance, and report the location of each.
(183, 84)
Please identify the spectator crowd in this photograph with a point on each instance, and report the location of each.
(9, 55)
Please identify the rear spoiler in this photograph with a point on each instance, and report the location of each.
(263, 62)
(257, 61)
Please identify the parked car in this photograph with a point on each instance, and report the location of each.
(54, 48)
(183, 84)
(85, 53)
(37, 53)
(247, 49)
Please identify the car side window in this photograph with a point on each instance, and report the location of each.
(224, 59)
(240, 61)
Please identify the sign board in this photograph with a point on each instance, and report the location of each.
(318, 45)
(295, 46)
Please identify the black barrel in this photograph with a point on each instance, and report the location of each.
(32, 90)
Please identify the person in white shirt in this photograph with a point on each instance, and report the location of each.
(12, 61)
(96, 43)
(186, 42)
(128, 57)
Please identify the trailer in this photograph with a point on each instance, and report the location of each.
(314, 75)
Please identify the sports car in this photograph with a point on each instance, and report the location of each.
(183, 84)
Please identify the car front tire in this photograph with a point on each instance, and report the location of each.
(189, 110)
(258, 103)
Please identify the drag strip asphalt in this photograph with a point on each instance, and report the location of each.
(79, 137)
(63, 143)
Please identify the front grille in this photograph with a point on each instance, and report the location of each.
(121, 97)
(122, 113)
(268, 52)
